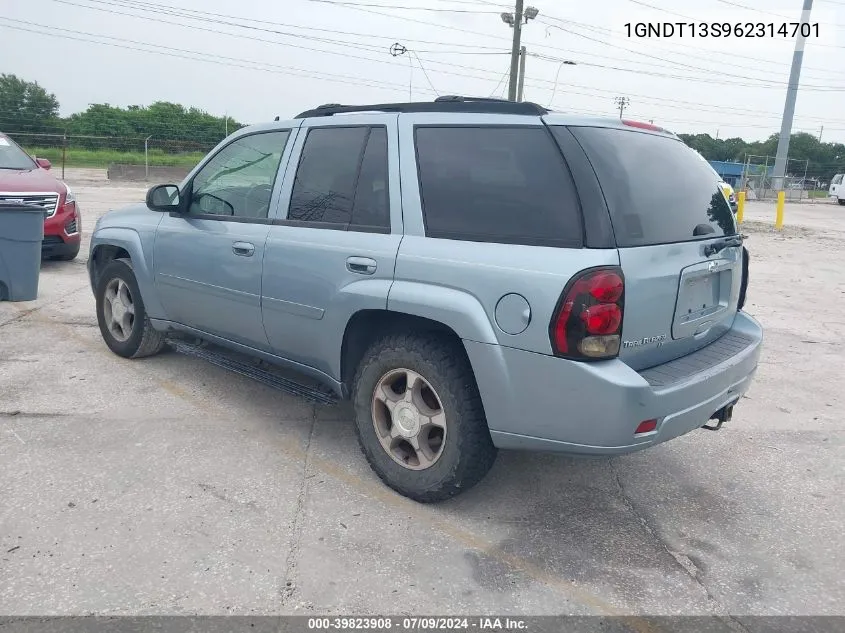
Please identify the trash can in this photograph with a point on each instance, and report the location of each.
(21, 233)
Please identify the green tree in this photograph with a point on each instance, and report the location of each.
(26, 107)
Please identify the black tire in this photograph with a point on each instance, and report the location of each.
(467, 453)
(841, 201)
(143, 339)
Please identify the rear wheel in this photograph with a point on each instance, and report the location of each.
(123, 321)
(419, 417)
(841, 201)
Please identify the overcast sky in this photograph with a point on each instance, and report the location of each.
(289, 55)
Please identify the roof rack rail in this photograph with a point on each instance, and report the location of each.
(447, 103)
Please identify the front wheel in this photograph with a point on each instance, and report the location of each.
(123, 321)
(419, 417)
(841, 201)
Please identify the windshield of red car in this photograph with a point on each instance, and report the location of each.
(12, 156)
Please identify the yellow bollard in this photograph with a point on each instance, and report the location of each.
(779, 215)
(740, 206)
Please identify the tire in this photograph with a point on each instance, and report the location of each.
(841, 201)
(139, 338)
(465, 451)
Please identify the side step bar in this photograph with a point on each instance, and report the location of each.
(265, 377)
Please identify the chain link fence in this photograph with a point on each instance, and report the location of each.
(124, 158)
(759, 183)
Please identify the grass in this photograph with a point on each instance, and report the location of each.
(77, 157)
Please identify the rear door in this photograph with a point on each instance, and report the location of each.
(670, 219)
(333, 249)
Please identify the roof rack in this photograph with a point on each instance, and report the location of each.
(447, 103)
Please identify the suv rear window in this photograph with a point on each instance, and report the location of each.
(508, 185)
(658, 190)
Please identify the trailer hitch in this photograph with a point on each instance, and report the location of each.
(721, 416)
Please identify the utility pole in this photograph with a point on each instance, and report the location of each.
(515, 20)
(789, 105)
(522, 55)
(622, 102)
(517, 35)
(820, 134)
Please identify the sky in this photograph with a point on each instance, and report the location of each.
(258, 59)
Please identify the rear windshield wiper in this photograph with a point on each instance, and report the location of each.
(717, 247)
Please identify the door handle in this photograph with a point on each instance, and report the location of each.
(244, 249)
(361, 265)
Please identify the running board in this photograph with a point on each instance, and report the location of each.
(265, 377)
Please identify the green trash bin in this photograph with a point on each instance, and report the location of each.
(21, 234)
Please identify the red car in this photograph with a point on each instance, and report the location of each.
(26, 179)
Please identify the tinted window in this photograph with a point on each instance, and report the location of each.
(12, 156)
(658, 190)
(496, 184)
(238, 180)
(324, 188)
(372, 207)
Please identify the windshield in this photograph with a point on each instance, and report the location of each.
(657, 189)
(12, 156)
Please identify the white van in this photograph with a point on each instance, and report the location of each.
(837, 188)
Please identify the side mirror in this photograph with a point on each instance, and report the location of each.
(164, 198)
(43, 163)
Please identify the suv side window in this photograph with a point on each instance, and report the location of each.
(507, 185)
(324, 187)
(371, 211)
(238, 181)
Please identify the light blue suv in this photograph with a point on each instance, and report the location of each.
(474, 274)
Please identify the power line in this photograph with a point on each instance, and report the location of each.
(377, 84)
(192, 14)
(345, 79)
(768, 84)
(685, 48)
(344, 54)
(205, 57)
(396, 7)
(383, 61)
(182, 13)
(779, 15)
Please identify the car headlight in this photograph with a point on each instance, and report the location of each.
(69, 197)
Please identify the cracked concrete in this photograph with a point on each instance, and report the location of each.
(289, 591)
(168, 486)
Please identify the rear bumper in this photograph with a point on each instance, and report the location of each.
(540, 402)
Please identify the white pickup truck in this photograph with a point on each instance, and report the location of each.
(837, 188)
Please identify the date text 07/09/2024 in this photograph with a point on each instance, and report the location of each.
(412, 623)
(721, 29)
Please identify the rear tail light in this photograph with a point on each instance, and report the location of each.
(646, 426)
(587, 324)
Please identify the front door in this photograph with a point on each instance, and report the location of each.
(208, 259)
